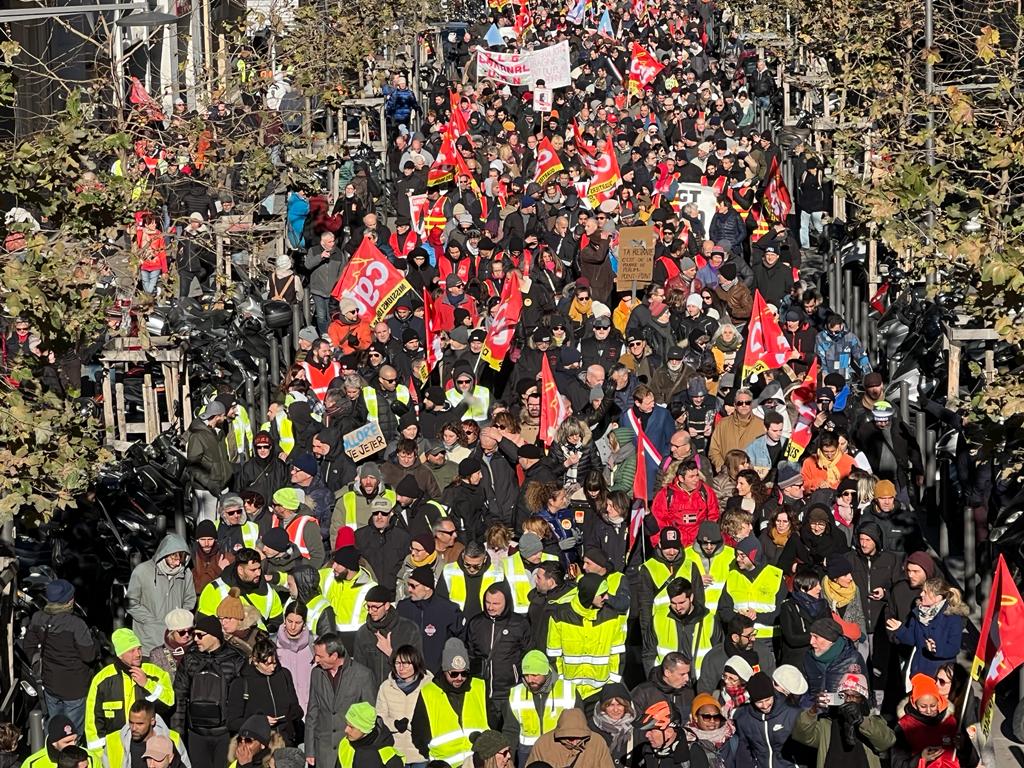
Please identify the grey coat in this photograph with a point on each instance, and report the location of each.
(153, 594)
(325, 715)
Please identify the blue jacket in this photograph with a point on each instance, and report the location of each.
(400, 105)
(659, 430)
(762, 736)
(837, 355)
(728, 230)
(945, 629)
(822, 678)
(298, 209)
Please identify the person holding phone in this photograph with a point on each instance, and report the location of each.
(265, 688)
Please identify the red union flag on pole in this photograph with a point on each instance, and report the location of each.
(371, 281)
(499, 335)
(552, 407)
(606, 178)
(776, 196)
(442, 170)
(1000, 645)
(433, 350)
(803, 398)
(767, 348)
(642, 69)
(548, 163)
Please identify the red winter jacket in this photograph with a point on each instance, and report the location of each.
(686, 510)
(916, 736)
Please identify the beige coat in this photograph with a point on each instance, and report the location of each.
(551, 748)
(393, 704)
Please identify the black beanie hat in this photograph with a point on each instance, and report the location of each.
(760, 686)
(827, 628)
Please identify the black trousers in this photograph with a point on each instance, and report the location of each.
(208, 751)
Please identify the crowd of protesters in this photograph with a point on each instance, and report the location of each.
(605, 549)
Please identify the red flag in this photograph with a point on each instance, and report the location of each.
(442, 169)
(457, 125)
(1000, 648)
(606, 179)
(462, 168)
(642, 69)
(803, 398)
(503, 327)
(552, 407)
(433, 350)
(371, 281)
(548, 163)
(767, 348)
(140, 96)
(586, 151)
(414, 395)
(776, 196)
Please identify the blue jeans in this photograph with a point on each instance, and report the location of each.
(807, 220)
(150, 280)
(322, 308)
(73, 708)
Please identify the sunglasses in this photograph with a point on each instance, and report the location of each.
(712, 718)
(446, 533)
(199, 635)
(263, 447)
(389, 381)
(380, 513)
(248, 740)
(744, 402)
(636, 343)
(463, 381)
(458, 674)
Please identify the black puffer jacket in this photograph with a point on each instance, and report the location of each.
(588, 460)
(67, 647)
(497, 644)
(253, 693)
(384, 550)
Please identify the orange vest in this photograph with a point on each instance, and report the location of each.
(319, 380)
(296, 530)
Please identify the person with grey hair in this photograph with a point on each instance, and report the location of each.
(336, 684)
(207, 460)
(234, 530)
(737, 430)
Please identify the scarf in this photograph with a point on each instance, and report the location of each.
(840, 518)
(711, 741)
(428, 560)
(831, 468)
(779, 539)
(837, 595)
(385, 624)
(828, 656)
(728, 347)
(177, 649)
(810, 606)
(580, 309)
(926, 614)
(407, 686)
(620, 730)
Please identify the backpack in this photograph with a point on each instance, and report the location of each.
(208, 698)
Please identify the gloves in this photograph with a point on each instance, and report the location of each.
(570, 542)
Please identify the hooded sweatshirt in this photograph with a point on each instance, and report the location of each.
(555, 749)
(155, 589)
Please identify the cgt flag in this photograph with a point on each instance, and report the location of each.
(548, 163)
(1001, 644)
(643, 68)
(803, 398)
(552, 406)
(776, 196)
(371, 281)
(501, 331)
(767, 348)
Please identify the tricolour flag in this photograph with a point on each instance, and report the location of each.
(767, 348)
(576, 14)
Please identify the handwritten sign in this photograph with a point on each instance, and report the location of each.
(365, 441)
(636, 255)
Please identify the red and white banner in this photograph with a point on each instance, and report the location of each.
(767, 348)
(503, 327)
(548, 163)
(371, 282)
(643, 68)
(549, 64)
(803, 398)
(418, 205)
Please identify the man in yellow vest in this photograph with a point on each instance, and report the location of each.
(247, 574)
(534, 706)
(465, 390)
(710, 562)
(123, 748)
(519, 568)
(596, 561)
(450, 708)
(688, 626)
(119, 685)
(465, 581)
(655, 574)
(360, 498)
(756, 590)
(345, 585)
(587, 640)
(279, 426)
(60, 734)
(367, 743)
